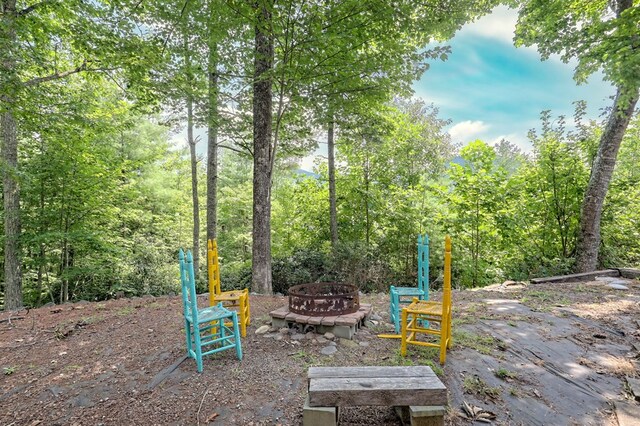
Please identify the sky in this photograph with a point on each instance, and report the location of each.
(491, 90)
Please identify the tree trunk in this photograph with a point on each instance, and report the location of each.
(262, 115)
(365, 178)
(589, 237)
(194, 161)
(332, 186)
(9, 144)
(212, 131)
(41, 254)
(64, 262)
(11, 193)
(194, 186)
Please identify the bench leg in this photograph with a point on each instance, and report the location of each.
(417, 415)
(319, 416)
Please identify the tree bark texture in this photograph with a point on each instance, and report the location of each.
(11, 193)
(194, 161)
(212, 131)
(9, 144)
(262, 116)
(333, 213)
(194, 186)
(588, 246)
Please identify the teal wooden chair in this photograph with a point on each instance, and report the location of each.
(205, 329)
(404, 295)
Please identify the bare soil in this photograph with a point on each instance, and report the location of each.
(530, 354)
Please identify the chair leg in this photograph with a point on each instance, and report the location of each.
(198, 345)
(236, 334)
(391, 315)
(444, 338)
(449, 340)
(403, 345)
(187, 332)
(222, 332)
(243, 319)
(395, 310)
(248, 314)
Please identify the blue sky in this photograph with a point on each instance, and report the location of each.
(491, 90)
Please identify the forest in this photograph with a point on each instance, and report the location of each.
(98, 196)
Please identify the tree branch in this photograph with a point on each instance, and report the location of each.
(239, 151)
(31, 8)
(57, 75)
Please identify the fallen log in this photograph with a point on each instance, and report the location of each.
(584, 276)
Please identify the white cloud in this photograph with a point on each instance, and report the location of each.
(500, 24)
(517, 139)
(467, 130)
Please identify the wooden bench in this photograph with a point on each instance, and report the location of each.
(417, 392)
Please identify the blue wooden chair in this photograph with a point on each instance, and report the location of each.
(205, 329)
(404, 295)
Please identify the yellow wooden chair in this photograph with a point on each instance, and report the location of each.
(230, 299)
(418, 317)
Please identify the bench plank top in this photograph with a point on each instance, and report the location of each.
(384, 385)
(374, 371)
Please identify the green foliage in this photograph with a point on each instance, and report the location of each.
(621, 214)
(303, 266)
(105, 197)
(476, 386)
(477, 189)
(503, 373)
(596, 33)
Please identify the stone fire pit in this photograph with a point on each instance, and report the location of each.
(323, 307)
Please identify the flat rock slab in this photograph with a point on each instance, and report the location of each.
(555, 359)
(617, 286)
(280, 312)
(627, 414)
(328, 350)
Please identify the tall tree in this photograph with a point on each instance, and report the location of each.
(331, 164)
(191, 141)
(600, 35)
(212, 118)
(9, 84)
(477, 186)
(262, 149)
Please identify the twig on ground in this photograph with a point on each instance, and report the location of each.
(9, 319)
(200, 407)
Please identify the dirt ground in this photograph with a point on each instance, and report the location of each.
(530, 354)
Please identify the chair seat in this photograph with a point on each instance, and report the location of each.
(211, 313)
(229, 296)
(425, 307)
(408, 291)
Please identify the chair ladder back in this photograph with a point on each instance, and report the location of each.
(213, 271)
(423, 265)
(446, 296)
(187, 276)
(184, 282)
